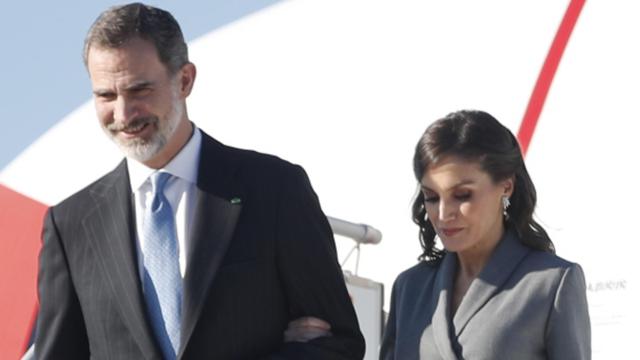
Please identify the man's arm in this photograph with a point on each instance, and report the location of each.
(305, 329)
(60, 332)
(313, 281)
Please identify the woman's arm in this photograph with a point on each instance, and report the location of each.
(569, 329)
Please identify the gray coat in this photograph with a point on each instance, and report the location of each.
(525, 304)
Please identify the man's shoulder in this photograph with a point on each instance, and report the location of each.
(253, 158)
(248, 161)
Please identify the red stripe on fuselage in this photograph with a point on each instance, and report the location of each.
(20, 228)
(540, 91)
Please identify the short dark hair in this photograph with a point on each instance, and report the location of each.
(119, 24)
(477, 136)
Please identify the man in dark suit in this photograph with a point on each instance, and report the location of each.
(244, 250)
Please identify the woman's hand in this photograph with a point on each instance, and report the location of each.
(306, 328)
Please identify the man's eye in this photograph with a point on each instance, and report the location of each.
(141, 91)
(106, 96)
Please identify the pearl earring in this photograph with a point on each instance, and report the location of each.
(505, 206)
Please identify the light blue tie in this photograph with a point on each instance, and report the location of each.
(162, 283)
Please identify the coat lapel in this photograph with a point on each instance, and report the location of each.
(213, 229)
(216, 213)
(110, 229)
(505, 258)
(441, 323)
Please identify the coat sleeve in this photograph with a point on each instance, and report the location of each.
(60, 332)
(569, 330)
(312, 278)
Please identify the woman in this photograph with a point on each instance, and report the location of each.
(496, 290)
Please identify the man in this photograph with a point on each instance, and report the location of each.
(189, 249)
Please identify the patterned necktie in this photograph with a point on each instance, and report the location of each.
(162, 282)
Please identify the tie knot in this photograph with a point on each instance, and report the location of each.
(158, 181)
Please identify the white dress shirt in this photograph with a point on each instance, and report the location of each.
(180, 191)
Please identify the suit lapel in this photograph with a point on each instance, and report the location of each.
(110, 229)
(441, 323)
(505, 258)
(213, 228)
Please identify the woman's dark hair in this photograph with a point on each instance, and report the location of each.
(479, 137)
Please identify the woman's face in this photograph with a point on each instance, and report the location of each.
(464, 204)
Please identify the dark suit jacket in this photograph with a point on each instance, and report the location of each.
(525, 304)
(254, 264)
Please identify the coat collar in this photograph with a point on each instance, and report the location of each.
(217, 209)
(441, 323)
(213, 230)
(505, 258)
(109, 226)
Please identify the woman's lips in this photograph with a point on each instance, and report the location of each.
(450, 231)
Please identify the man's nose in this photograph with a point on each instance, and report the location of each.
(124, 110)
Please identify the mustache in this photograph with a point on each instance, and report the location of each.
(137, 122)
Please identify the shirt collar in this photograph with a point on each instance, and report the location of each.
(184, 165)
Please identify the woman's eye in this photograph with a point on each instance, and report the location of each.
(463, 196)
(430, 199)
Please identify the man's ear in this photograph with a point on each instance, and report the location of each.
(187, 78)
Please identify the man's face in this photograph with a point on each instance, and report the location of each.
(139, 104)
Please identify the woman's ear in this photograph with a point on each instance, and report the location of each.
(508, 185)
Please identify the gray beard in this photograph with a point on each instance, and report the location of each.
(143, 150)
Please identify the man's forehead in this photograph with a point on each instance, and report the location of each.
(133, 56)
(107, 75)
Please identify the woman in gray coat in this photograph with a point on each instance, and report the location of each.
(496, 290)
